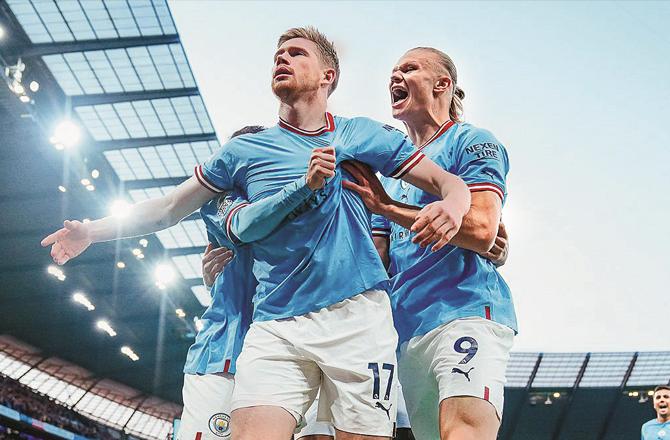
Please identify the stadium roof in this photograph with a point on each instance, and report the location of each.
(119, 71)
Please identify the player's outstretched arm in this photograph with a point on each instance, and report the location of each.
(478, 229)
(144, 218)
(257, 220)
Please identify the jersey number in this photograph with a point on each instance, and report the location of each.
(375, 373)
(470, 349)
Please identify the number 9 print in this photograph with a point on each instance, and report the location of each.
(470, 349)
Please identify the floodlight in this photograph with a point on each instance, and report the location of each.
(104, 326)
(130, 353)
(67, 133)
(81, 299)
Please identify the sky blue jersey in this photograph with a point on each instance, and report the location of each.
(227, 319)
(324, 253)
(655, 430)
(432, 288)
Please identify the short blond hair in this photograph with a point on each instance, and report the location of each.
(327, 52)
(446, 64)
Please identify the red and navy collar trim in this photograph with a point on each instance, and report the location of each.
(440, 131)
(330, 126)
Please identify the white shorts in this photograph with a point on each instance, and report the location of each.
(347, 351)
(207, 406)
(465, 357)
(314, 427)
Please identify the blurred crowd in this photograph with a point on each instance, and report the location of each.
(21, 398)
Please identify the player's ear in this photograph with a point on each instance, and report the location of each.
(329, 76)
(442, 84)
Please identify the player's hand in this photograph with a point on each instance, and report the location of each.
(500, 250)
(68, 242)
(321, 167)
(213, 262)
(437, 222)
(367, 186)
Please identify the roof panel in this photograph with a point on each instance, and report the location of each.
(651, 368)
(202, 294)
(189, 233)
(558, 370)
(519, 369)
(67, 20)
(189, 266)
(606, 370)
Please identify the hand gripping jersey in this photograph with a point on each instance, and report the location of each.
(325, 254)
(432, 288)
(227, 319)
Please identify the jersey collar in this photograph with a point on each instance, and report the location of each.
(330, 126)
(440, 131)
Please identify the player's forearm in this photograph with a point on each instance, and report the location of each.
(477, 232)
(257, 220)
(144, 218)
(400, 213)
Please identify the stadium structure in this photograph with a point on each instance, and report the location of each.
(99, 109)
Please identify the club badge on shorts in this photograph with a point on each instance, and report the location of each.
(219, 424)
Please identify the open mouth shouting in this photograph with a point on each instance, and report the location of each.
(399, 95)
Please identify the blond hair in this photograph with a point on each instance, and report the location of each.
(327, 52)
(446, 64)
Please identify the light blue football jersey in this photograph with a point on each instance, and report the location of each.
(655, 430)
(325, 254)
(432, 288)
(228, 317)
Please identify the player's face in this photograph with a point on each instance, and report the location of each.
(297, 69)
(662, 402)
(413, 83)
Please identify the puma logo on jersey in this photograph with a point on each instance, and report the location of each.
(464, 373)
(386, 410)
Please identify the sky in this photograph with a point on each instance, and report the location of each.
(579, 94)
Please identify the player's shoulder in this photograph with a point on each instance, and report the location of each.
(649, 423)
(468, 133)
(364, 123)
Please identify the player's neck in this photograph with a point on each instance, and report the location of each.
(662, 419)
(307, 114)
(422, 127)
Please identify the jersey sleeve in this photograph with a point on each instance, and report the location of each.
(217, 173)
(482, 163)
(251, 222)
(381, 227)
(385, 148)
(232, 202)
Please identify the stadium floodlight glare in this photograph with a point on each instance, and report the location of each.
(81, 299)
(95, 174)
(144, 242)
(85, 182)
(180, 313)
(557, 395)
(24, 98)
(90, 187)
(18, 88)
(67, 133)
(34, 86)
(130, 353)
(56, 272)
(104, 326)
(2, 32)
(164, 275)
(119, 208)
(121, 265)
(61, 188)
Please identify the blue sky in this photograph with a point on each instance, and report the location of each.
(579, 94)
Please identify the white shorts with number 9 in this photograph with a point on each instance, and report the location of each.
(465, 357)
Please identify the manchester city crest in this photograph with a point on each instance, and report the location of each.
(404, 185)
(223, 202)
(219, 424)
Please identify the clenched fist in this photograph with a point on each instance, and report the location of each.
(321, 167)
